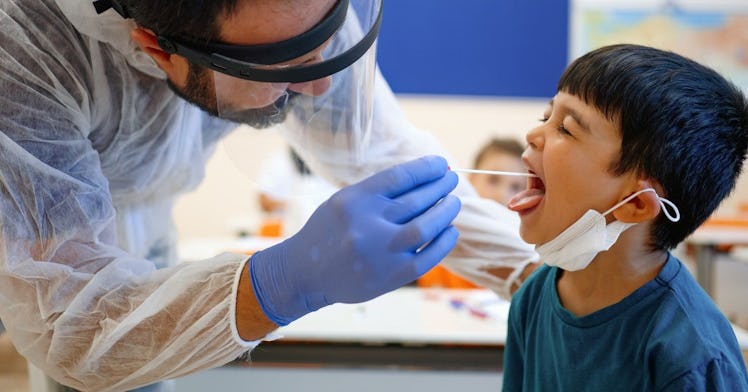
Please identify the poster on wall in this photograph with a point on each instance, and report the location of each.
(713, 32)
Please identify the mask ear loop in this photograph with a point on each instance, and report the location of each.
(665, 203)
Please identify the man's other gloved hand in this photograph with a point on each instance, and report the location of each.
(367, 239)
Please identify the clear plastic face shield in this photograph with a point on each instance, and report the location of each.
(316, 87)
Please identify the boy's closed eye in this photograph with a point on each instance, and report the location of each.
(562, 129)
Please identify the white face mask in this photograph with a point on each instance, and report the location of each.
(574, 248)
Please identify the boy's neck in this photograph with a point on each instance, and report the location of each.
(612, 275)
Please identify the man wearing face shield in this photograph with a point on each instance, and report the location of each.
(96, 144)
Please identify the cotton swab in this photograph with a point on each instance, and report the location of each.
(494, 172)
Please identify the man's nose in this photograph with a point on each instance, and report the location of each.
(313, 88)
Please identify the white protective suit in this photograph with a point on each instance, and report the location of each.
(94, 148)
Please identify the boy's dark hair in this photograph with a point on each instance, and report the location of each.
(682, 125)
(194, 19)
(509, 146)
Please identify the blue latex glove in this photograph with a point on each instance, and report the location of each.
(367, 239)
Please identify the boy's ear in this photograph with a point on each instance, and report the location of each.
(149, 44)
(643, 207)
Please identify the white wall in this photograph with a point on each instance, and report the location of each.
(226, 202)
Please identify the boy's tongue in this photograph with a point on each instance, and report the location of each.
(526, 199)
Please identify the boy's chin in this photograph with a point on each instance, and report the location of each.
(528, 236)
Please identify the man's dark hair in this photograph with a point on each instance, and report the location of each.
(682, 125)
(195, 19)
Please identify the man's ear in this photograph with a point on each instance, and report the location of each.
(149, 44)
(643, 207)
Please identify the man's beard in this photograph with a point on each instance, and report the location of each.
(200, 91)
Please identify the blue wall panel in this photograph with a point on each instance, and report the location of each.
(514, 48)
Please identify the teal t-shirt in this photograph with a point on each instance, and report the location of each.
(666, 336)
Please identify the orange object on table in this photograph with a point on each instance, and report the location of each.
(735, 222)
(738, 221)
(271, 227)
(441, 277)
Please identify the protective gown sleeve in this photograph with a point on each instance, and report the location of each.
(489, 232)
(76, 305)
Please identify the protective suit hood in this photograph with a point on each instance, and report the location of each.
(109, 28)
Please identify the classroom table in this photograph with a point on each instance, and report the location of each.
(469, 325)
(409, 339)
(707, 242)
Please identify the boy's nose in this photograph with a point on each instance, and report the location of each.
(535, 138)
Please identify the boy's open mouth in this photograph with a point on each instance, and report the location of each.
(530, 197)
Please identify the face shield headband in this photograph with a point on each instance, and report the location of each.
(255, 62)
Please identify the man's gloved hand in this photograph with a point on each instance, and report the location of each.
(367, 239)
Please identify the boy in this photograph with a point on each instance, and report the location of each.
(649, 143)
